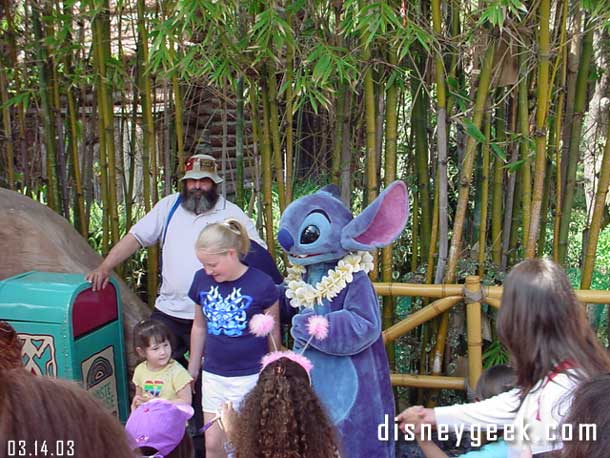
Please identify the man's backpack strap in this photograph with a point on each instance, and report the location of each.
(169, 218)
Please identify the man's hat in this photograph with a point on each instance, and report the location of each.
(158, 424)
(201, 166)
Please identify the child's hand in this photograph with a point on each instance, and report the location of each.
(228, 417)
(416, 415)
(138, 400)
(194, 372)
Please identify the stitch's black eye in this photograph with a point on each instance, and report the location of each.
(310, 234)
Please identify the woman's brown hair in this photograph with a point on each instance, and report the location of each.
(282, 417)
(589, 407)
(58, 412)
(544, 326)
(10, 347)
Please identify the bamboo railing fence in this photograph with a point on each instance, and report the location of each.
(448, 295)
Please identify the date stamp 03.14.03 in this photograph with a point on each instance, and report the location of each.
(37, 448)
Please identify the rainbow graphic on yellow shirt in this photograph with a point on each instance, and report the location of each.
(153, 387)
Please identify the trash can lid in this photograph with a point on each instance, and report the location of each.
(45, 297)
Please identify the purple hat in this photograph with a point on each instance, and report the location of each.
(158, 424)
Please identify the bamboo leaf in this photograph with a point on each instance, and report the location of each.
(23, 98)
(499, 152)
(322, 68)
(515, 165)
(473, 131)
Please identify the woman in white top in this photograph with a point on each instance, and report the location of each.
(552, 348)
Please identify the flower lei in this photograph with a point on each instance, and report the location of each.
(302, 294)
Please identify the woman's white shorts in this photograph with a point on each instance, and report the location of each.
(218, 389)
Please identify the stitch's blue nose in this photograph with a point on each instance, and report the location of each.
(285, 239)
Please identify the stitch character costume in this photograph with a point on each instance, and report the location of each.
(351, 371)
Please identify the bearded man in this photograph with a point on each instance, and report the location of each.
(175, 222)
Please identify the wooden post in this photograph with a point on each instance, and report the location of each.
(472, 292)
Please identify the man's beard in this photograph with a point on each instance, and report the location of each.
(199, 201)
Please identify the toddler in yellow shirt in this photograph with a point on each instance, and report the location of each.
(158, 376)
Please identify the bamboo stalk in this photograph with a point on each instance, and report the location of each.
(428, 381)
(419, 120)
(274, 129)
(102, 54)
(512, 252)
(239, 144)
(421, 316)
(225, 131)
(54, 89)
(391, 146)
(49, 127)
(484, 194)
(369, 113)
(473, 336)
(467, 164)
(421, 290)
(335, 168)
(289, 117)
(8, 132)
(434, 233)
(546, 197)
(346, 152)
(79, 199)
(9, 34)
(598, 212)
(148, 148)
(525, 174)
(460, 214)
(490, 293)
(498, 192)
(267, 167)
(441, 130)
(544, 50)
(510, 199)
(178, 112)
(102, 148)
(580, 100)
(414, 231)
(563, 57)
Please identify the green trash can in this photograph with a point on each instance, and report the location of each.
(69, 331)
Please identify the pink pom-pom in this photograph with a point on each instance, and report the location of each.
(317, 326)
(261, 324)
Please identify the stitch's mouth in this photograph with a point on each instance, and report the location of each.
(305, 256)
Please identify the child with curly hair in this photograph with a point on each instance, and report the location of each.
(282, 416)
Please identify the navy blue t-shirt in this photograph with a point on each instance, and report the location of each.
(230, 349)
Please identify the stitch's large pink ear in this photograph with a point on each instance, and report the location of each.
(381, 222)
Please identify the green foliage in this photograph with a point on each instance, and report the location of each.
(495, 353)
(135, 267)
(497, 11)
(473, 131)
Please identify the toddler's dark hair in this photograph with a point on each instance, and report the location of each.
(148, 332)
(495, 380)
